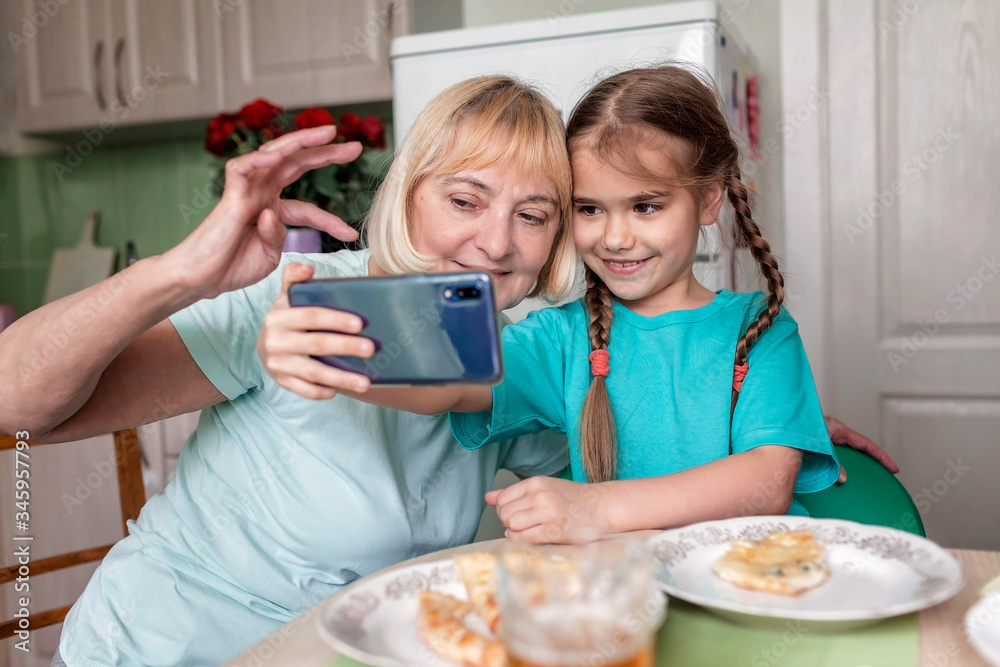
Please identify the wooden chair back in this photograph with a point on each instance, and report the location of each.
(132, 495)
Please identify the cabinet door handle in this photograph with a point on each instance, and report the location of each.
(99, 75)
(119, 50)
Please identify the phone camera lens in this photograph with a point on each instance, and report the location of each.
(467, 292)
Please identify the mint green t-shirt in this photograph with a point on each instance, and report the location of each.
(278, 502)
(670, 385)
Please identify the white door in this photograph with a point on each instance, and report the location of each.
(165, 60)
(63, 58)
(302, 52)
(914, 141)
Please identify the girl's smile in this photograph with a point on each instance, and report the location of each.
(625, 267)
(640, 237)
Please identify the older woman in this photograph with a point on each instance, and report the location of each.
(279, 500)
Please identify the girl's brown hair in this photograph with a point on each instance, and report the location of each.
(610, 121)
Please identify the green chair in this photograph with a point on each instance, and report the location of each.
(870, 495)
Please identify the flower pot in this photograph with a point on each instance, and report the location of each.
(303, 240)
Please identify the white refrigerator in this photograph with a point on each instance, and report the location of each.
(565, 55)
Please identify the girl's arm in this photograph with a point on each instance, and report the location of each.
(431, 400)
(290, 337)
(546, 510)
(759, 481)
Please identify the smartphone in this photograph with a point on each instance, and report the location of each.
(427, 329)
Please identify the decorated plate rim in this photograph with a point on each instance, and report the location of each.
(357, 602)
(759, 526)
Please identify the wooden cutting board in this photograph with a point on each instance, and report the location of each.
(76, 268)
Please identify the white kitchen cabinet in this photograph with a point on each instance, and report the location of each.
(310, 52)
(166, 59)
(106, 63)
(62, 52)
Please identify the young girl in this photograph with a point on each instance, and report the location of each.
(680, 404)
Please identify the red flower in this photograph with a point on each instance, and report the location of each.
(219, 133)
(259, 114)
(313, 117)
(349, 128)
(373, 132)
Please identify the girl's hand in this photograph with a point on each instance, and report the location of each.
(239, 243)
(840, 434)
(548, 510)
(289, 336)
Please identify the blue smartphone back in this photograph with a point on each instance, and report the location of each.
(428, 329)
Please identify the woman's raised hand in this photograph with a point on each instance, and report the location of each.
(240, 241)
(290, 336)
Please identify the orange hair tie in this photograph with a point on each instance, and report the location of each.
(599, 363)
(739, 373)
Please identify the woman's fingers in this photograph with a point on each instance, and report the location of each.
(310, 215)
(321, 343)
(270, 230)
(290, 337)
(238, 170)
(317, 373)
(314, 318)
(285, 159)
(291, 274)
(293, 166)
(289, 143)
(307, 389)
(841, 434)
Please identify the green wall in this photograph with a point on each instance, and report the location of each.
(152, 194)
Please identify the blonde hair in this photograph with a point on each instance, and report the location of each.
(475, 124)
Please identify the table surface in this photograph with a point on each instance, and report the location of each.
(299, 644)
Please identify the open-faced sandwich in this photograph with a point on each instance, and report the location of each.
(465, 631)
(444, 621)
(788, 563)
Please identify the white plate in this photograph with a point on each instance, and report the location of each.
(875, 572)
(982, 627)
(375, 620)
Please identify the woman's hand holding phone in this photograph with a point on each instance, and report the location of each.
(290, 336)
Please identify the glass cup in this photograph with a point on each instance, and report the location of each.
(598, 607)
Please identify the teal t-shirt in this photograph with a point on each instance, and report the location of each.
(670, 386)
(278, 502)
